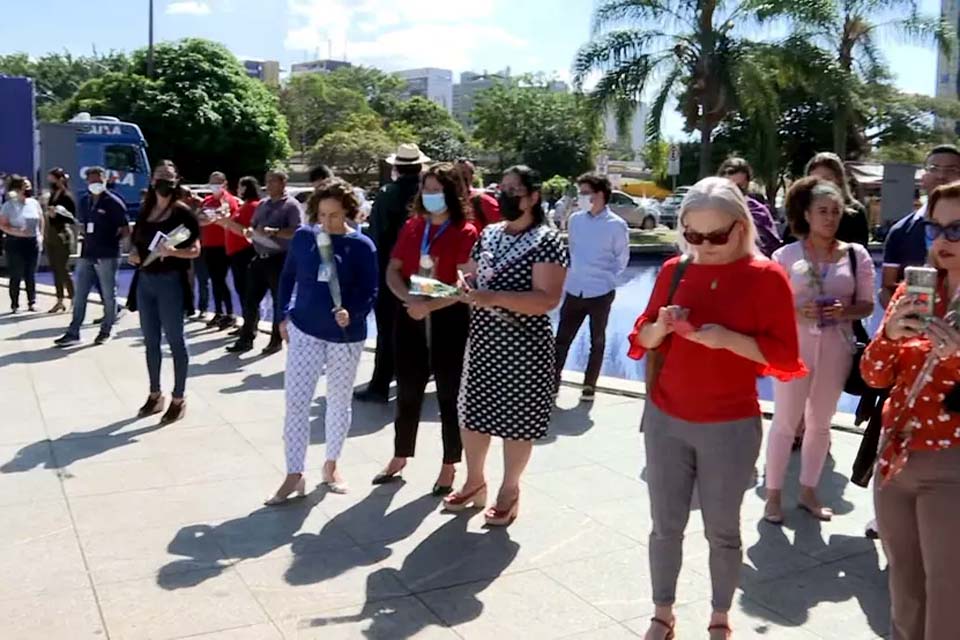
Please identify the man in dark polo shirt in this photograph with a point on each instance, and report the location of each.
(390, 212)
(273, 225)
(102, 217)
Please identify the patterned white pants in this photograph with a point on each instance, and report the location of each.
(307, 359)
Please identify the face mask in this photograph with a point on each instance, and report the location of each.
(53, 186)
(96, 188)
(216, 190)
(434, 202)
(164, 188)
(584, 202)
(510, 207)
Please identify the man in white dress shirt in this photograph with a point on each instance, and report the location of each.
(599, 252)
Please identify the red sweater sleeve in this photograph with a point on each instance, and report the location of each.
(658, 299)
(878, 366)
(777, 337)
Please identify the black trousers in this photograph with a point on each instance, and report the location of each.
(383, 362)
(57, 246)
(572, 314)
(22, 256)
(218, 265)
(263, 275)
(415, 361)
(239, 267)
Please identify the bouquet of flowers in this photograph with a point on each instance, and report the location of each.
(430, 288)
(176, 237)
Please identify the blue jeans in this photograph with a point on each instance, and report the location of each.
(88, 272)
(160, 299)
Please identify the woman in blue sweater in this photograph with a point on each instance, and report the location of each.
(334, 269)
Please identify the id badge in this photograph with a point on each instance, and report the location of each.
(89, 227)
(323, 273)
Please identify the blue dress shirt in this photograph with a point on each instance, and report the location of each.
(599, 253)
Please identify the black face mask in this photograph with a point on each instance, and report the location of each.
(164, 188)
(53, 186)
(510, 207)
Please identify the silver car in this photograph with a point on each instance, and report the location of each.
(639, 213)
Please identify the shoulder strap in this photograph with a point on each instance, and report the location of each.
(677, 275)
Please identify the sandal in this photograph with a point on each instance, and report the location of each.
(720, 627)
(670, 626)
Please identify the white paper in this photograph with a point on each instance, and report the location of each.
(89, 227)
(157, 239)
(265, 241)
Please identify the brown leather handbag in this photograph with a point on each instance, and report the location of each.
(654, 362)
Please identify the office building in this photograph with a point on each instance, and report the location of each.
(635, 137)
(948, 67)
(432, 84)
(465, 92)
(266, 71)
(317, 66)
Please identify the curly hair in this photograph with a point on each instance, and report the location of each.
(800, 198)
(451, 180)
(333, 189)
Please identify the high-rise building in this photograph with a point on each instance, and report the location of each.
(266, 71)
(948, 66)
(432, 84)
(317, 66)
(465, 92)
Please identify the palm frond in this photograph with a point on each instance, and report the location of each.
(926, 30)
(663, 12)
(660, 103)
(611, 50)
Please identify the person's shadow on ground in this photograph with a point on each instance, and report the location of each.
(448, 557)
(78, 445)
(570, 423)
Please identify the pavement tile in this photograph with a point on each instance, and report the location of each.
(252, 632)
(379, 620)
(501, 608)
(42, 564)
(64, 614)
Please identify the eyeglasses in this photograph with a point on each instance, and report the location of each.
(934, 230)
(943, 170)
(716, 238)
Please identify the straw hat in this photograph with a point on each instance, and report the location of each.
(407, 154)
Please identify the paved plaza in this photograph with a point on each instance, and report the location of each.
(111, 527)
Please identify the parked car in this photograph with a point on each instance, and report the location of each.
(670, 207)
(640, 213)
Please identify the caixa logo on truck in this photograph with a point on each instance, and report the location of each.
(113, 176)
(104, 130)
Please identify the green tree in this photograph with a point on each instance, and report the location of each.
(432, 127)
(355, 154)
(693, 47)
(201, 110)
(382, 91)
(553, 132)
(316, 104)
(850, 30)
(57, 76)
(555, 187)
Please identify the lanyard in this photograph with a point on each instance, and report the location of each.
(427, 242)
(818, 270)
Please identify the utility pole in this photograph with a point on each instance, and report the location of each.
(150, 43)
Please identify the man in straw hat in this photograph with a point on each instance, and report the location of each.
(390, 211)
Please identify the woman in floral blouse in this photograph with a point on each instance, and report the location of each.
(918, 487)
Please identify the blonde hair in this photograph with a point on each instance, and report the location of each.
(720, 194)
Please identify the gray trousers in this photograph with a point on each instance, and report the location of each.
(719, 460)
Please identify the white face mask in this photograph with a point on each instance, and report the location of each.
(584, 202)
(96, 188)
(216, 189)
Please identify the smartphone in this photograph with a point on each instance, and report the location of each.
(922, 286)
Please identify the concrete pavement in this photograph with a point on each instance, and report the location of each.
(111, 527)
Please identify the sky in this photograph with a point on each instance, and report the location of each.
(477, 35)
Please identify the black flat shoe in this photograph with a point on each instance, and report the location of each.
(440, 492)
(214, 321)
(151, 407)
(386, 478)
(241, 346)
(226, 322)
(272, 348)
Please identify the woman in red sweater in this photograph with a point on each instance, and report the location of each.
(917, 492)
(728, 320)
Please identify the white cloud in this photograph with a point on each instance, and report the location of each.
(395, 35)
(188, 8)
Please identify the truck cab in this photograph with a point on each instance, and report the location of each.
(99, 141)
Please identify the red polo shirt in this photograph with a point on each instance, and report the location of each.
(213, 235)
(242, 216)
(449, 250)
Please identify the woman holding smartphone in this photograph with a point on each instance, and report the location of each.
(833, 286)
(726, 318)
(917, 484)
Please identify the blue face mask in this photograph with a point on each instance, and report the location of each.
(434, 202)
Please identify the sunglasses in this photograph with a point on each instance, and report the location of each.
(716, 238)
(934, 230)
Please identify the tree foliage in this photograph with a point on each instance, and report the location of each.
(356, 153)
(201, 110)
(552, 132)
(315, 105)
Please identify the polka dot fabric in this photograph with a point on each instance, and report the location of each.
(508, 384)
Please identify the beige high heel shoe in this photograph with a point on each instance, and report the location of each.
(299, 492)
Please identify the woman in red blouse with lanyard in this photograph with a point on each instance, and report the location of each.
(918, 487)
(725, 319)
(431, 334)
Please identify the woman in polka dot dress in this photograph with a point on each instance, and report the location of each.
(918, 487)
(508, 383)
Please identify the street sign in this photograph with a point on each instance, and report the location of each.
(673, 160)
(603, 164)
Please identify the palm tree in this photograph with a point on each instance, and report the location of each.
(851, 31)
(693, 48)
